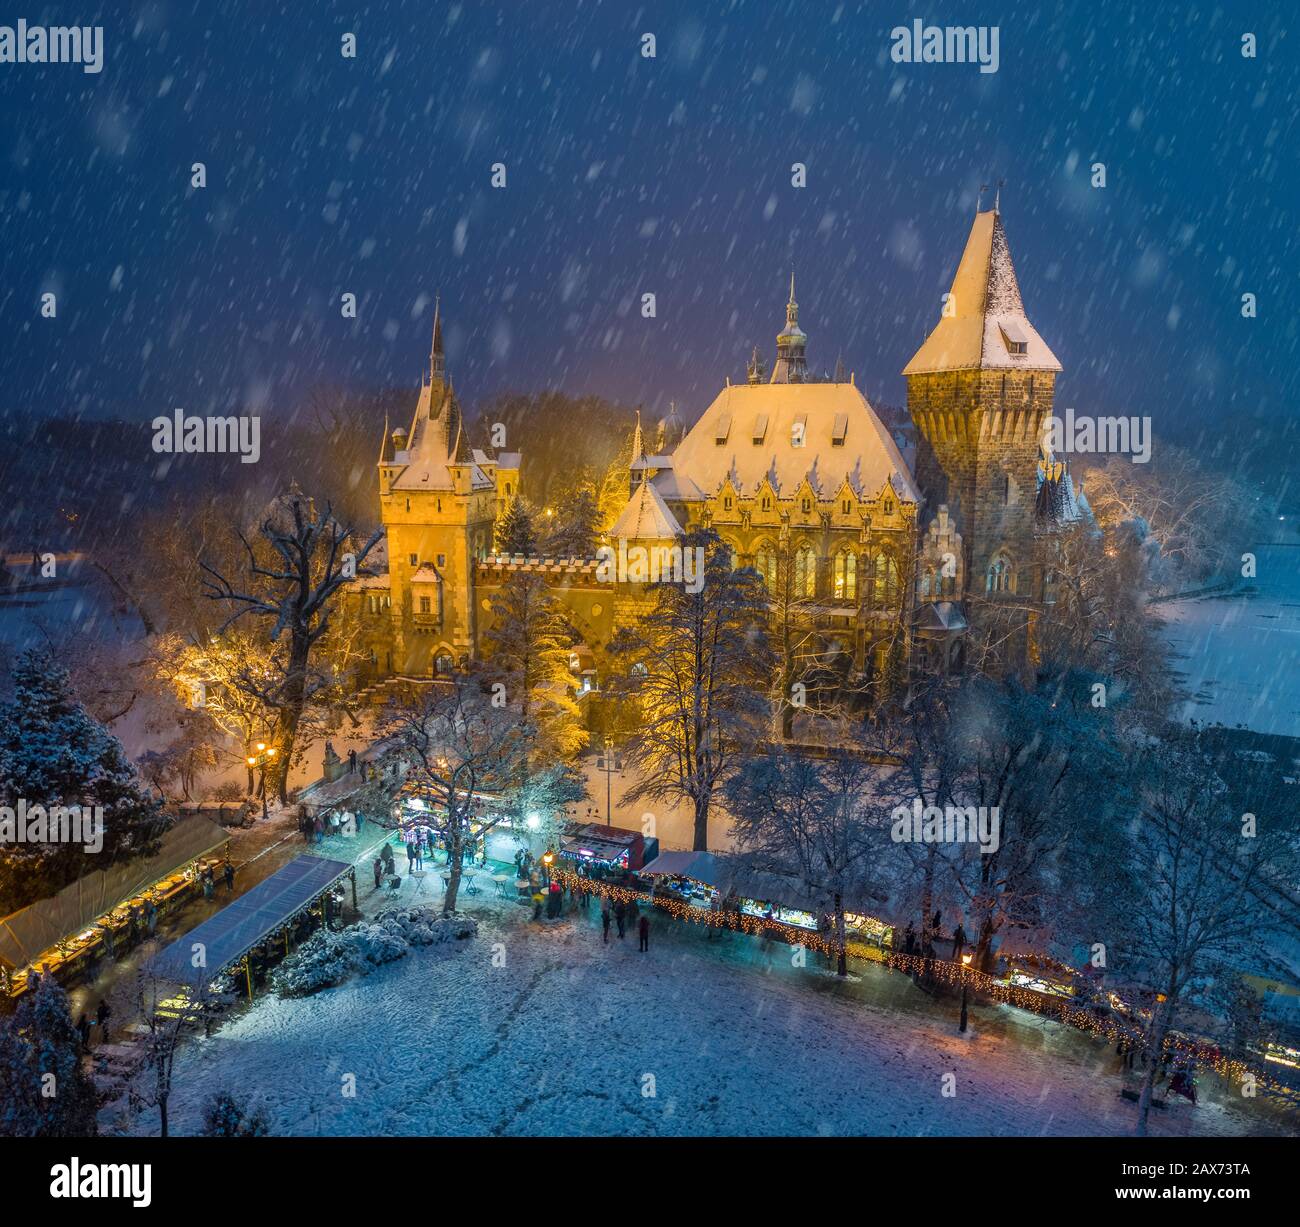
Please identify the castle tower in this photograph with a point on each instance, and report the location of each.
(980, 391)
(438, 504)
(791, 342)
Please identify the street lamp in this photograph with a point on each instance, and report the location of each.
(547, 857)
(965, 963)
(263, 756)
(609, 763)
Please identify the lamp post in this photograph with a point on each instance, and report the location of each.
(609, 763)
(965, 963)
(547, 857)
(263, 756)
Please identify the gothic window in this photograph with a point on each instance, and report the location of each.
(1049, 586)
(806, 506)
(888, 506)
(1006, 488)
(508, 490)
(884, 591)
(1001, 575)
(765, 565)
(846, 506)
(805, 573)
(927, 584)
(846, 575)
(443, 664)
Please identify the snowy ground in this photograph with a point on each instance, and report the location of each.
(531, 1030)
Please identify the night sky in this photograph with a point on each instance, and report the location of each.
(628, 175)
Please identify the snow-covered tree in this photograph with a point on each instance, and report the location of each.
(516, 533)
(53, 753)
(577, 531)
(44, 1092)
(470, 763)
(698, 666)
(527, 645)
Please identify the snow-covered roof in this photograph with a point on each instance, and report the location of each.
(436, 441)
(785, 432)
(646, 517)
(988, 328)
(940, 616)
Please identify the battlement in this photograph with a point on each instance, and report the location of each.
(501, 566)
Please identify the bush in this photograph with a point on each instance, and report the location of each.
(328, 958)
(228, 1117)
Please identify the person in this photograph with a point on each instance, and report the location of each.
(909, 939)
(418, 849)
(379, 872)
(359, 821)
(386, 853)
(228, 872)
(958, 942)
(538, 900)
(352, 762)
(410, 855)
(604, 919)
(209, 886)
(318, 827)
(151, 916)
(643, 929)
(620, 918)
(102, 1014)
(83, 1030)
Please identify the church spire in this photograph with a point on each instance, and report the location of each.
(437, 360)
(791, 342)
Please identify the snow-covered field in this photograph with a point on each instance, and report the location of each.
(531, 1030)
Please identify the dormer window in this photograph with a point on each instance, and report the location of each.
(767, 503)
(726, 503)
(887, 506)
(806, 505)
(846, 506)
(1014, 337)
(840, 429)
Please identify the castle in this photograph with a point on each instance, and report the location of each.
(887, 557)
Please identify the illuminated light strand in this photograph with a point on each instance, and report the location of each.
(953, 974)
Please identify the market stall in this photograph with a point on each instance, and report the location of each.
(605, 849)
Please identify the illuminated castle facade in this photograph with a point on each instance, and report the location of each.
(889, 556)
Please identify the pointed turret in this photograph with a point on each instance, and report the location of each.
(437, 359)
(756, 371)
(791, 344)
(983, 325)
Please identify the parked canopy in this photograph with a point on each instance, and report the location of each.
(229, 935)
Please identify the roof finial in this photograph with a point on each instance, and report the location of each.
(997, 198)
(979, 198)
(792, 285)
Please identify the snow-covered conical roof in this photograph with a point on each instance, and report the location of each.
(646, 518)
(988, 328)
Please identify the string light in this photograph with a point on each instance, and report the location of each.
(1063, 1009)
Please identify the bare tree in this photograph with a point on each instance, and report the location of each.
(292, 583)
(816, 819)
(1207, 878)
(698, 665)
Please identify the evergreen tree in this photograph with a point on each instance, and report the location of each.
(44, 1091)
(53, 753)
(515, 531)
(528, 646)
(579, 529)
(698, 664)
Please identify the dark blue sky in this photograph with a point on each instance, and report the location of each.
(628, 175)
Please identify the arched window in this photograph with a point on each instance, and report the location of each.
(443, 664)
(805, 573)
(846, 575)
(884, 591)
(765, 565)
(927, 585)
(1001, 576)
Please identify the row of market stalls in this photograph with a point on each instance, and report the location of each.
(236, 947)
(107, 911)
